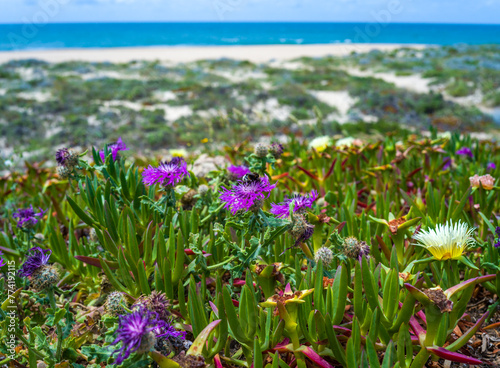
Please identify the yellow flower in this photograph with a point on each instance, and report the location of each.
(178, 152)
(320, 143)
(446, 241)
(288, 297)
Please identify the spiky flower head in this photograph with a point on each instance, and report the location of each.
(64, 172)
(168, 173)
(276, 149)
(465, 151)
(155, 302)
(66, 158)
(27, 217)
(115, 302)
(301, 229)
(44, 277)
(301, 202)
(138, 331)
(114, 149)
(37, 258)
(203, 190)
(354, 248)
(261, 150)
(324, 255)
(244, 195)
(446, 241)
(237, 172)
(486, 181)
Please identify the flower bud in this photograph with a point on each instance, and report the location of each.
(114, 303)
(44, 278)
(324, 255)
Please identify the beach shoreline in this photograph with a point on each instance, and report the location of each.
(178, 54)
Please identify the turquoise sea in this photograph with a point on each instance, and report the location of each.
(95, 35)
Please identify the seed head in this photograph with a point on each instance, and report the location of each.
(261, 150)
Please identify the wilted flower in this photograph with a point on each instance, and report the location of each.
(324, 255)
(244, 195)
(66, 158)
(261, 150)
(27, 217)
(168, 173)
(138, 332)
(156, 302)
(446, 241)
(42, 275)
(276, 150)
(301, 229)
(37, 258)
(491, 166)
(237, 172)
(354, 248)
(486, 181)
(320, 143)
(438, 298)
(114, 149)
(189, 199)
(301, 202)
(465, 151)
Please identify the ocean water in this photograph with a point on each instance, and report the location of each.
(95, 35)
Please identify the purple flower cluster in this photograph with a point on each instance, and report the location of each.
(138, 331)
(2, 261)
(114, 149)
(447, 163)
(301, 202)
(465, 151)
(168, 173)
(237, 172)
(244, 195)
(491, 166)
(27, 217)
(497, 232)
(37, 258)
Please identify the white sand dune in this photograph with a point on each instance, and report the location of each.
(260, 53)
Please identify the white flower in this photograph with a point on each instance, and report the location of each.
(446, 241)
(320, 143)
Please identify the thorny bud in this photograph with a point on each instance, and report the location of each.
(44, 277)
(324, 255)
(261, 150)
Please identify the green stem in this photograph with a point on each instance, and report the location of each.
(420, 359)
(212, 267)
(52, 299)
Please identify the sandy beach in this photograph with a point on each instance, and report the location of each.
(260, 53)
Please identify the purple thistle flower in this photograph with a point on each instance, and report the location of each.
(2, 261)
(237, 172)
(243, 195)
(138, 331)
(62, 156)
(447, 163)
(114, 149)
(491, 166)
(27, 217)
(306, 235)
(37, 258)
(276, 150)
(465, 151)
(302, 202)
(168, 173)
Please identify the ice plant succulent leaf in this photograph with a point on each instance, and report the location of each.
(452, 356)
(201, 339)
(446, 241)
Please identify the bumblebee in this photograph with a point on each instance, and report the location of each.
(250, 177)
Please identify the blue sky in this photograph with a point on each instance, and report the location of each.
(434, 11)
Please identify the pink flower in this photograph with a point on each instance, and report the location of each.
(487, 181)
